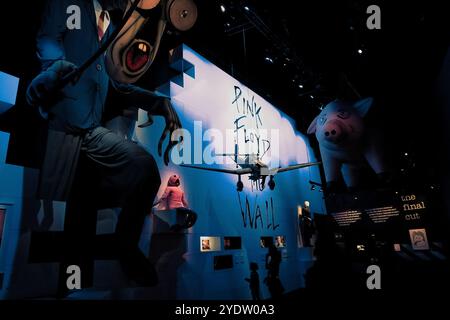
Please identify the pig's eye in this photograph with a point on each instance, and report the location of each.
(322, 120)
(343, 114)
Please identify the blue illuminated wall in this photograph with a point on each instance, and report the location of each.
(200, 92)
(8, 91)
(203, 92)
(24, 213)
(11, 191)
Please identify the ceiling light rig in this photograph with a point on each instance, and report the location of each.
(233, 21)
(281, 54)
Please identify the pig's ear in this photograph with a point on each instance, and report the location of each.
(313, 126)
(362, 106)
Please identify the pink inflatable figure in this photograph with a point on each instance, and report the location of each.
(345, 143)
(173, 197)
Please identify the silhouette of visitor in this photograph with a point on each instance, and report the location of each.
(254, 281)
(306, 225)
(331, 271)
(273, 260)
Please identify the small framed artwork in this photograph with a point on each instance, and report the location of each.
(209, 244)
(265, 242)
(419, 240)
(223, 262)
(232, 243)
(280, 241)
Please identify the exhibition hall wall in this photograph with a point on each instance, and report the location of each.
(204, 93)
(210, 260)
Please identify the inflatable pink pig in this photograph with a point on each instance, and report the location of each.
(345, 143)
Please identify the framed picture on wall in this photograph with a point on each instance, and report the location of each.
(280, 241)
(209, 244)
(419, 239)
(223, 262)
(265, 242)
(232, 243)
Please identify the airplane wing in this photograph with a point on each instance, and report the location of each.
(296, 166)
(230, 171)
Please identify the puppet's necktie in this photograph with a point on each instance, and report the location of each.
(101, 24)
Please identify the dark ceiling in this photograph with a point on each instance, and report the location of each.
(315, 44)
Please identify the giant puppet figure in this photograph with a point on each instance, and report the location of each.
(78, 142)
(346, 142)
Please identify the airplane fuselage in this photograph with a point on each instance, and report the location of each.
(259, 171)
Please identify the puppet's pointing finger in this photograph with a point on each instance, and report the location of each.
(148, 123)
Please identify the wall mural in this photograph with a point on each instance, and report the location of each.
(227, 126)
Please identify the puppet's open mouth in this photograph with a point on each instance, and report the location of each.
(137, 56)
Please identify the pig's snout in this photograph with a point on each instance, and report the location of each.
(334, 131)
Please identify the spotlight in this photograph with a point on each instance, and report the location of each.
(268, 59)
(227, 24)
(406, 154)
(360, 51)
(300, 86)
(247, 8)
(312, 97)
(222, 8)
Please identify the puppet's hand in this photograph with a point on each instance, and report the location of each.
(149, 121)
(47, 81)
(165, 109)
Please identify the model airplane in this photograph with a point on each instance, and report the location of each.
(257, 170)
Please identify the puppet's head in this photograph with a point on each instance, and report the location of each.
(340, 123)
(128, 58)
(174, 181)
